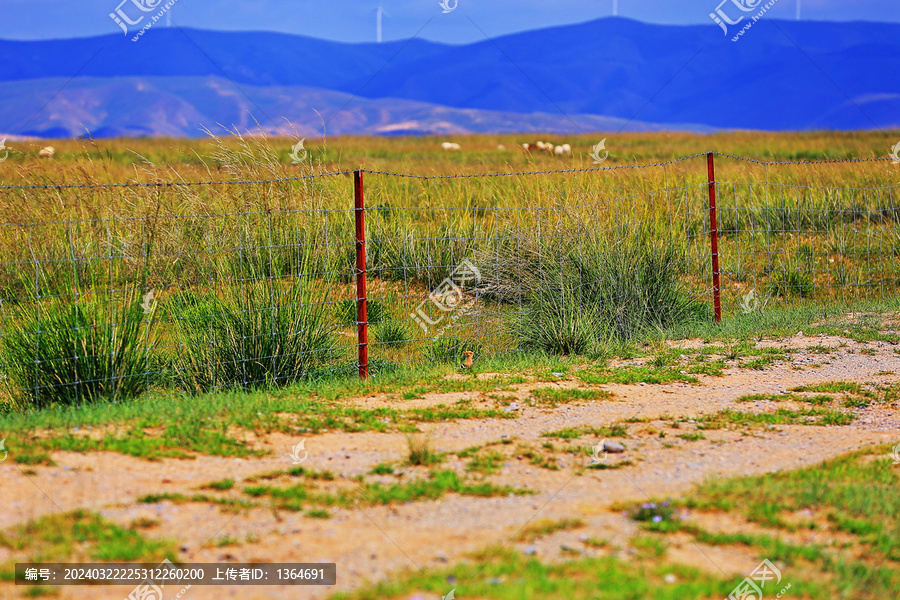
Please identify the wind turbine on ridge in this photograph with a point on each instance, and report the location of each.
(379, 13)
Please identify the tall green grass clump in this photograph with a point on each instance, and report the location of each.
(73, 351)
(576, 299)
(248, 338)
(791, 280)
(254, 330)
(345, 312)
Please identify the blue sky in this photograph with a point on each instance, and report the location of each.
(355, 21)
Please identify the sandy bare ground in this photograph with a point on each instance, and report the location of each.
(372, 543)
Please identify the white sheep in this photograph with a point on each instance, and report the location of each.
(538, 145)
(564, 150)
(451, 147)
(47, 152)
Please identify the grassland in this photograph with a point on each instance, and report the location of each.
(252, 283)
(248, 342)
(831, 529)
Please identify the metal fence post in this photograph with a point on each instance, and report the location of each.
(714, 236)
(362, 324)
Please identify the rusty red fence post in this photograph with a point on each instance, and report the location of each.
(362, 324)
(714, 236)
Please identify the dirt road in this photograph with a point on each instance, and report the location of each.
(370, 542)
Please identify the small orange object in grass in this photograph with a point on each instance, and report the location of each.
(468, 363)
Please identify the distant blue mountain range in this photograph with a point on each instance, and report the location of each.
(605, 75)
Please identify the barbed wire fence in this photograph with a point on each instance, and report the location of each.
(556, 260)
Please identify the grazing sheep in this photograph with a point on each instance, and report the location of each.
(501, 147)
(47, 152)
(564, 150)
(539, 145)
(451, 147)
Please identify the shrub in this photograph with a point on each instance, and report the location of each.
(345, 312)
(588, 294)
(790, 281)
(264, 333)
(70, 352)
(392, 333)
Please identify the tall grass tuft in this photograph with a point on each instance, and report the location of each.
(420, 451)
(791, 280)
(69, 352)
(345, 312)
(392, 333)
(254, 330)
(578, 298)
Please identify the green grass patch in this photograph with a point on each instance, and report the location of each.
(605, 466)
(544, 527)
(782, 416)
(569, 433)
(503, 574)
(835, 387)
(819, 399)
(223, 485)
(486, 462)
(382, 469)
(437, 484)
(65, 537)
(857, 492)
(634, 374)
(34, 459)
(420, 452)
(553, 397)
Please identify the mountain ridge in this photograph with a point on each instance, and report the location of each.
(781, 75)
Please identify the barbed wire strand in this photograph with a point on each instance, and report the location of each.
(451, 176)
